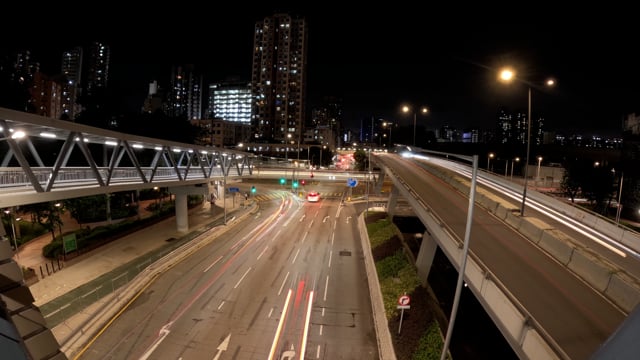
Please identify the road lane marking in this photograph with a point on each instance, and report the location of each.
(276, 336)
(242, 278)
(305, 334)
(326, 288)
(212, 264)
(283, 282)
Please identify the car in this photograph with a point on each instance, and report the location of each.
(313, 196)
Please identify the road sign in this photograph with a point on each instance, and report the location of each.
(403, 302)
(351, 182)
(234, 189)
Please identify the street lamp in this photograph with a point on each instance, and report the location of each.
(423, 110)
(619, 205)
(512, 162)
(390, 125)
(538, 171)
(491, 155)
(509, 75)
(13, 229)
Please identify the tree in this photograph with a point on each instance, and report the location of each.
(362, 160)
(570, 182)
(46, 214)
(599, 188)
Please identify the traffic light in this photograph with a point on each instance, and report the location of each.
(282, 181)
(295, 184)
(302, 182)
(253, 189)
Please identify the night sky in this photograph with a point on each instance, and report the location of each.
(376, 59)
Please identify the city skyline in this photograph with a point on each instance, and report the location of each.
(378, 61)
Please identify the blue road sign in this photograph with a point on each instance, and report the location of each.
(234, 189)
(351, 182)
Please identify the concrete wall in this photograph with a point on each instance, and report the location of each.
(617, 286)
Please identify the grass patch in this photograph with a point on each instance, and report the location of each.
(429, 342)
(396, 277)
(381, 231)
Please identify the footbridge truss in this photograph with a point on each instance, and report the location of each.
(43, 159)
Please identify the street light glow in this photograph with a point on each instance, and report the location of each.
(507, 75)
(423, 110)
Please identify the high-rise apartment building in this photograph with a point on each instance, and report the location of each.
(185, 93)
(46, 96)
(96, 76)
(230, 101)
(279, 79)
(72, 71)
(326, 121)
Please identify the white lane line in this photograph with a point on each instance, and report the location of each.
(326, 288)
(212, 264)
(242, 278)
(283, 282)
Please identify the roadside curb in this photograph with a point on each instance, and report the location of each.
(383, 335)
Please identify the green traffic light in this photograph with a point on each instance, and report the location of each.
(253, 189)
(282, 181)
(295, 184)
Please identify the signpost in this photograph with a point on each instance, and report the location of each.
(69, 243)
(351, 182)
(403, 303)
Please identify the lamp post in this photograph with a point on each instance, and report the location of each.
(508, 75)
(224, 186)
(538, 171)
(619, 205)
(512, 162)
(489, 157)
(390, 125)
(13, 230)
(423, 110)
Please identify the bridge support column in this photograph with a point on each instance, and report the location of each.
(393, 200)
(379, 182)
(425, 257)
(182, 213)
(182, 208)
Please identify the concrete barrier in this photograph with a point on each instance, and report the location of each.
(626, 295)
(557, 244)
(617, 286)
(383, 335)
(591, 269)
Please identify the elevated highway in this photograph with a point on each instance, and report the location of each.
(549, 289)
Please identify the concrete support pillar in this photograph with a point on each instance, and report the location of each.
(425, 257)
(379, 183)
(182, 213)
(393, 200)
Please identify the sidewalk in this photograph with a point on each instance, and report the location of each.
(50, 290)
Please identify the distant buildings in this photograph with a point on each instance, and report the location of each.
(268, 111)
(72, 72)
(230, 101)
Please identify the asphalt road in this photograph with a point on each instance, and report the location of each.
(284, 282)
